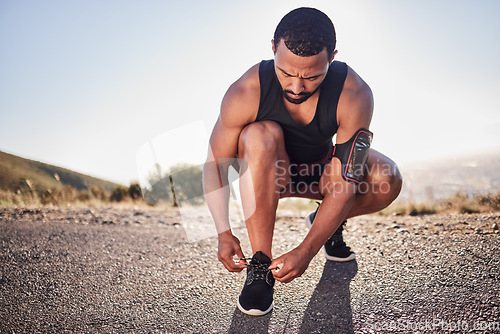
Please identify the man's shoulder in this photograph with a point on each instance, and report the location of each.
(355, 87)
(243, 96)
(247, 85)
(356, 99)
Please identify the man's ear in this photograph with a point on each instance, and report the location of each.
(334, 54)
(274, 47)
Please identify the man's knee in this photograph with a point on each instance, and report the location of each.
(386, 182)
(259, 138)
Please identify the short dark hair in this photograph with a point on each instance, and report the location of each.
(306, 32)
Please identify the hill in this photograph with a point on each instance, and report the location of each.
(20, 173)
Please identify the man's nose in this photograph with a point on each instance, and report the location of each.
(297, 86)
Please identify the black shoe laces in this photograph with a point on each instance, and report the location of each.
(257, 271)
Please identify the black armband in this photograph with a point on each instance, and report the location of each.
(353, 154)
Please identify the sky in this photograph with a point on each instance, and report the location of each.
(107, 88)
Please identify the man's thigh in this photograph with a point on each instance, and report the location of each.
(261, 148)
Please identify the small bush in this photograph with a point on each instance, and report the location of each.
(99, 193)
(134, 191)
(119, 194)
(468, 208)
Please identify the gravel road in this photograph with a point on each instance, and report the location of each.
(133, 270)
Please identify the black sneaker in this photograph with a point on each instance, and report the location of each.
(256, 298)
(335, 248)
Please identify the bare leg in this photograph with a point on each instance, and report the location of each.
(261, 146)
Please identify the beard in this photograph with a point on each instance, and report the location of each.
(303, 96)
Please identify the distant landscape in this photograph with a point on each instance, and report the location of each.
(25, 182)
(469, 175)
(15, 171)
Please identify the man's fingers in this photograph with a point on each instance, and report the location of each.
(278, 268)
(281, 276)
(240, 255)
(232, 266)
(278, 262)
(285, 273)
(285, 277)
(239, 266)
(228, 248)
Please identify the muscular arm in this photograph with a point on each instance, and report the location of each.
(239, 107)
(354, 112)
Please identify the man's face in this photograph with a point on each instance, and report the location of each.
(300, 77)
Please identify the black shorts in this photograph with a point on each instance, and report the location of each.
(304, 174)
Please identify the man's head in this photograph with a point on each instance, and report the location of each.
(304, 47)
(306, 32)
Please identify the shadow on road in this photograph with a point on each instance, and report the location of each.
(329, 309)
(242, 323)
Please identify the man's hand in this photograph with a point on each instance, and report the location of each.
(291, 265)
(229, 246)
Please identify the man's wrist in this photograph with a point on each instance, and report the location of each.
(222, 226)
(310, 250)
(226, 234)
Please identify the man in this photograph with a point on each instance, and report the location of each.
(278, 120)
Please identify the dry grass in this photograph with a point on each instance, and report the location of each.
(457, 203)
(68, 196)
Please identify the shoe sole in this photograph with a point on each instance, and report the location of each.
(329, 257)
(339, 259)
(254, 311)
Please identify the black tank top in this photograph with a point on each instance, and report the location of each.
(313, 141)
